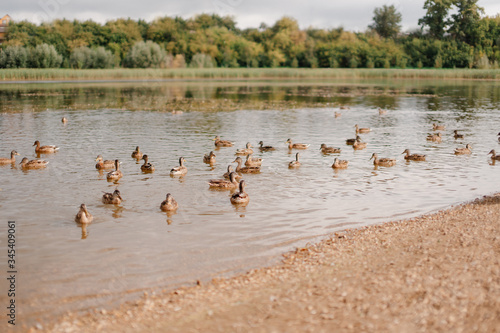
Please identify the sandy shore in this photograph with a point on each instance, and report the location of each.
(436, 273)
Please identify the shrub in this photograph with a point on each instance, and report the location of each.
(201, 60)
(44, 56)
(14, 57)
(145, 55)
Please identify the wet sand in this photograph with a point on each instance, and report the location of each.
(438, 273)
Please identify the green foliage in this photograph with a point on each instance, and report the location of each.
(86, 58)
(435, 17)
(466, 23)
(386, 21)
(14, 57)
(44, 56)
(145, 55)
(201, 60)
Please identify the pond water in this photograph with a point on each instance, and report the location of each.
(135, 247)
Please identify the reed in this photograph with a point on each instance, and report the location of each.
(30, 74)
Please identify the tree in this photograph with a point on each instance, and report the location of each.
(386, 21)
(466, 24)
(435, 17)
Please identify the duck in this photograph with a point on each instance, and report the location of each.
(498, 137)
(44, 149)
(338, 114)
(294, 164)
(83, 216)
(229, 170)
(381, 112)
(245, 151)
(180, 170)
(224, 183)
(250, 161)
(265, 148)
(147, 167)
(137, 153)
(359, 145)
(112, 198)
(64, 120)
(494, 156)
(387, 162)
(33, 164)
(350, 142)
(296, 145)
(464, 151)
(457, 135)
(209, 158)
(434, 137)
(438, 127)
(413, 157)
(340, 164)
(344, 107)
(169, 204)
(222, 143)
(246, 169)
(104, 164)
(10, 160)
(329, 150)
(361, 129)
(240, 197)
(117, 174)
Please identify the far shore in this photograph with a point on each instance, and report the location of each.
(435, 273)
(124, 74)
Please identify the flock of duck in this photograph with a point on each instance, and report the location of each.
(232, 179)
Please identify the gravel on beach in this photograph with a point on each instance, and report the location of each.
(435, 273)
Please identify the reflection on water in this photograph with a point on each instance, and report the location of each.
(135, 246)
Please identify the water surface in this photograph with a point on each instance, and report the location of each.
(135, 247)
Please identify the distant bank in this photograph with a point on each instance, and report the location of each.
(242, 74)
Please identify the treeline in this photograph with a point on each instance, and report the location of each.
(465, 39)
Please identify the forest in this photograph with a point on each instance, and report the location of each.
(452, 34)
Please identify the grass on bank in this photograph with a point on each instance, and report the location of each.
(29, 74)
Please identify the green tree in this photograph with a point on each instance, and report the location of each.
(145, 55)
(386, 21)
(466, 23)
(435, 18)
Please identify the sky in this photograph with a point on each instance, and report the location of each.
(353, 15)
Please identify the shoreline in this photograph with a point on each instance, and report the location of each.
(437, 272)
(33, 75)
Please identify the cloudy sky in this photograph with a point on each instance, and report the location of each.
(353, 15)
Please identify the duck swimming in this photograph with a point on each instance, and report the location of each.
(147, 167)
(250, 161)
(224, 183)
(83, 216)
(329, 150)
(240, 197)
(222, 143)
(169, 204)
(44, 149)
(386, 162)
(245, 151)
(438, 127)
(361, 129)
(464, 151)
(413, 157)
(296, 163)
(265, 148)
(180, 170)
(137, 153)
(247, 169)
(112, 198)
(457, 135)
(350, 142)
(209, 158)
(10, 160)
(340, 164)
(33, 164)
(494, 156)
(296, 145)
(117, 174)
(434, 137)
(101, 164)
